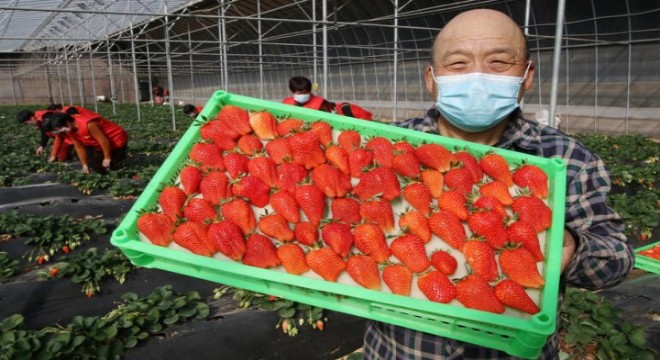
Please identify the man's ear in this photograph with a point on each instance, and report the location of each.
(529, 80)
(429, 80)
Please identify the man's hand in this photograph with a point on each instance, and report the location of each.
(51, 159)
(85, 169)
(567, 250)
(106, 163)
(40, 151)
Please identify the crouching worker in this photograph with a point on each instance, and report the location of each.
(301, 90)
(36, 118)
(351, 110)
(192, 110)
(100, 143)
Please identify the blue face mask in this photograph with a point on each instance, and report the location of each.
(302, 98)
(476, 102)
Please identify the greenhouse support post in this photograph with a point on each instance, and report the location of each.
(395, 58)
(559, 27)
(325, 48)
(13, 88)
(92, 73)
(81, 86)
(68, 78)
(168, 57)
(136, 84)
(113, 96)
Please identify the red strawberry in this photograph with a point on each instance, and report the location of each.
(227, 238)
(193, 237)
(332, 182)
(253, 189)
(489, 225)
(338, 157)
(293, 259)
(275, 226)
(498, 190)
(279, 150)
(215, 129)
(369, 239)
(306, 233)
(418, 196)
(414, 222)
(190, 176)
(382, 149)
(437, 287)
(523, 233)
(157, 227)
(434, 156)
(470, 163)
(323, 131)
(288, 126)
(378, 181)
(326, 263)
(214, 187)
(520, 266)
(533, 211)
(434, 180)
(410, 250)
(249, 144)
(398, 279)
(289, 174)
(349, 140)
(239, 212)
(532, 177)
(236, 164)
(264, 168)
(446, 225)
(260, 252)
(496, 166)
(199, 210)
(364, 270)
(444, 262)
(311, 201)
(379, 212)
(338, 236)
(481, 258)
(284, 203)
(236, 118)
(402, 147)
(171, 201)
(306, 149)
(208, 155)
(358, 160)
(491, 203)
(454, 201)
(474, 292)
(459, 179)
(406, 165)
(345, 209)
(264, 125)
(513, 295)
(225, 142)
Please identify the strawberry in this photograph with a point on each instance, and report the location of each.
(311, 201)
(481, 258)
(253, 189)
(338, 236)
(208, 155)
(275, 226)
(292, 258)
(490, 203)
(406, 165)
(418, 196)
(263, 124)
(323, 132)
(306, 149)
(454, 201)
(437, 287)
(332, 182)
(288, 126)
(496, 166)
(498, 190)
(349, 140)
(199, 210)
(319, 324)
(260, 252)
(193, 237)
(326, 263)
(284, 203)
(249, 144)
(446, 225)
(358, 160)
(364, 270)
(224, 142)
(378, 181)
(338, 157)
(459, 179)
(402, 147)
(190, 176)
(474, 292)
(410, 250)
(434, 180)
(236, 164)
(513, 295)
(489, 225)
(214, 187)
(157, 227)
(533, 211)
(444, 262)
(345, 209)
(523, 233)
(236, 118)
(379, 212)
(369, 239)
(66, 249)
(469, 162)
(398, 279)
(279, 150)
(532, 177)
(239, 212)
(434, 156)
(264, 168)
(414, 222)
(171, 201)
(215, 129)
(289, 174)
(382, 149)
(519, 265)
(306, 233)
(227, 238)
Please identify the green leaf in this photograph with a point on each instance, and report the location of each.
(171, 319)
(286, 312)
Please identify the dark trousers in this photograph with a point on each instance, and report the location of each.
(95, 158)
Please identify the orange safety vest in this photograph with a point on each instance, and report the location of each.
(115, 133)
(352, 110)
(81, 110)
(314, 103)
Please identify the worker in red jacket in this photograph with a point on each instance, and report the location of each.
(36, 118)
(351, 110)
(99, 142)
(192, 110)
(301, 88)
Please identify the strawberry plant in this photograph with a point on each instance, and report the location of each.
(7, 265)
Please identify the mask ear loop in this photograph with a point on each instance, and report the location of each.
(529, 64)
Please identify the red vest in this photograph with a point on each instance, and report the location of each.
(314, 103)
(82, 110)
(115, 133)
(352, 110)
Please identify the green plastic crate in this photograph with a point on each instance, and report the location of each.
(645, 262)
(519, 336)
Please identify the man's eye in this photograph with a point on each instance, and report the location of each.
(499, 65)
(457, 65)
